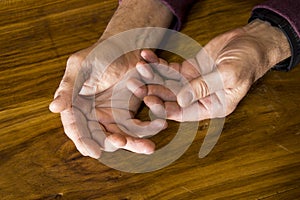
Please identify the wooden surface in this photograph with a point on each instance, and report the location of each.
(256, 157)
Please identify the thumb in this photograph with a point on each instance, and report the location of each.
(71, 83)
(200, 87)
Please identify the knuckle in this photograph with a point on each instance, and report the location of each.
(200, 88)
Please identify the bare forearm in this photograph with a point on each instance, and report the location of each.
(137, 14)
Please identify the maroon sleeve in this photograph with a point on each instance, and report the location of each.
(179, 8)
(288, 9)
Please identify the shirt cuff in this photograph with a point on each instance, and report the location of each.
(179, 8)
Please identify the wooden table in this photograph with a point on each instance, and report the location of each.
(256, 157)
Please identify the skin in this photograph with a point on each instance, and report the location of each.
(87, 106)
(213, 83)
(83, 98)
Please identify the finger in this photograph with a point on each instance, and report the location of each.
(172, 111)
(69, 121)
(145, 70)
(162, 70)
(162, 92)
(156, 105)
(189, 70)
(99, 135)
(148, 76)
(138, 128)
(166, 110)
(199, 88)
(136, 145)
(149, 56)
(76, 128)
(121, 140)
(71, 83)
(170, 71)
(167, 91)
(134, 127)
(139, 145)
(85, 142)
(117, 136)
(59, 104)
(138, 88)
(88, 147)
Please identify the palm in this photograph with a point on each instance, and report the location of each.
(218, 102)
(103, 71)
(97, 111)
(105, 121)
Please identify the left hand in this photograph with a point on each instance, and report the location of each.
(229, 65)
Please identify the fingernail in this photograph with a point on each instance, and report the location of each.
(185, 99)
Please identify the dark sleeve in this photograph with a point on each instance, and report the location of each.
(179, 9)
(284, 15)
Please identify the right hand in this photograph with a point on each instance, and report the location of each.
(84, 78)
(86, 74)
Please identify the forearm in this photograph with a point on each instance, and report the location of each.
(137, 14)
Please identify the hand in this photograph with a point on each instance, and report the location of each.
(228, 66)
(90, 72)
(101, 117)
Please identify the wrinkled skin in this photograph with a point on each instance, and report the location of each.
(85, 75)
(216, 80)
(95, 119)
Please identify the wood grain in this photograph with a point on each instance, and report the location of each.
(257, 156)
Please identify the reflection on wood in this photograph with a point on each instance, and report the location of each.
(256, 157)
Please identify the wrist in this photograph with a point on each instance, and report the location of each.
(273, 42)
(133, 14)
